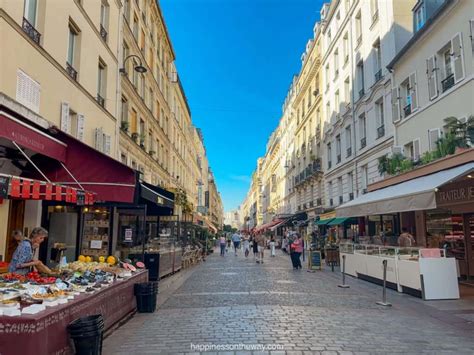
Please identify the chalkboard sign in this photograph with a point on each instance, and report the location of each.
(315, 259)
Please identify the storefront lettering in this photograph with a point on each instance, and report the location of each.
(456, 195)
(21, 138)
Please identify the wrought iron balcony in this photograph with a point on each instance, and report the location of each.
(71, 71)
(378, 75)
(100, 100)
(407, 110)
(381, 131)
(363, 142)
(31, 31)
(103, 33)
(448, 83)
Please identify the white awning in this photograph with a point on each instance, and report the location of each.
(413, 195)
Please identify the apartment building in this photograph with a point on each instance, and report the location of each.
(433, 75)
(359, 39)
(307, 109)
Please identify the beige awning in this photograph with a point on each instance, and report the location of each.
(413, 195)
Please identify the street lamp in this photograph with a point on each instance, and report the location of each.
(138, 68)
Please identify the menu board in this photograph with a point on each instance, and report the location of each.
(315, 259)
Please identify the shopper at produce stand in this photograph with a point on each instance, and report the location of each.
(406, 239)
(22, 260)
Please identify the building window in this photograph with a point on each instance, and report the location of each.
(379, 117)
(358, 28)
(419, 16)
(30, 11)
(350, 185)
(329, 152)
(374, 10)
(338, 148)
(124, 116)
(408, 95)
(362, 131)
(452, 59)
(360, 78)
(345, 48)
(135, 27)
(123, 158)
(126, 9)
(104, 19)
(339, 189)
(433, 136)
(336, 63)
(365, 178)
(337, 102)
(377, 61)
(347, 91)
(101, 83)
(133, 123)
(327, 77)
(126, 52)
(348, 141)
(72, 51)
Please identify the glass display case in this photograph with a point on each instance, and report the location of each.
(96, 232)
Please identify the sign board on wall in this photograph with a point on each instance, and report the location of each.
(456, 193)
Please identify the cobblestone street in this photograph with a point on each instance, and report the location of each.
(235, 302)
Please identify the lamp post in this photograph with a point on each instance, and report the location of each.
(138, 68)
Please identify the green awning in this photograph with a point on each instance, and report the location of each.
(323, 222)
(337, 221)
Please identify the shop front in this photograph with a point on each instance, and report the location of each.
(437, 210)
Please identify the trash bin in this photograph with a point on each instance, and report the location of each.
(87, 334)
(146, 296)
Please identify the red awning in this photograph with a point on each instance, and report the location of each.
(30, 138)
(111, 180)
(268, 225)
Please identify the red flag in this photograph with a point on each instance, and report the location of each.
(91, 199)
(15, 187)
(68, 194)
(36, 190)
(48, 195)
(74, 195)
(58, 192)
(26, 189)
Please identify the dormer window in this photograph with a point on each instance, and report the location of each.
(419, 16)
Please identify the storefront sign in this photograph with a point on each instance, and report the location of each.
(128, 235)
(455, 193)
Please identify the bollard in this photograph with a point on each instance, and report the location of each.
(343, 273)
(384, 294)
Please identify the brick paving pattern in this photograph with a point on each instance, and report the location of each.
(232, 300)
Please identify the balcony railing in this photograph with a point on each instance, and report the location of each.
(71, 71)
(381, 131)
(31, 31)
(378, 75)
(363, 142)
(103, 33)
(100, 100)
(349, 152)
(448, 83)
(407, 110)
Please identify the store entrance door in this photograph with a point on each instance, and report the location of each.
(15, 221)
(468, 227)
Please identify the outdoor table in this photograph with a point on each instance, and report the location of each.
(46, 332)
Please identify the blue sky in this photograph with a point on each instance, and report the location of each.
(236, 59)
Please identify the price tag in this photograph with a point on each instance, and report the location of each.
(96, 244)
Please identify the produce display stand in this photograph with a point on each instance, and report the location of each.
(46, 333)
(424, 273)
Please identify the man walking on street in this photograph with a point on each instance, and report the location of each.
(236, 241)
(260, 239)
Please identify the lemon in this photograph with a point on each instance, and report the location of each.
(88, 259)
(81, 258)
(101, 259)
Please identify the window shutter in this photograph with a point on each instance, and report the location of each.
(28, 91)
(395, 104)
(65, 118)
(433, 136)
(99, 139)
(431, 72)
(413, 93)
(106, 144)
(80, 126)
(416, 150)
(457, 52)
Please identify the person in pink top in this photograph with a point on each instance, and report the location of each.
(222, 243)
(296, 250)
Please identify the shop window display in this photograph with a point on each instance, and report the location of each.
(95, 240)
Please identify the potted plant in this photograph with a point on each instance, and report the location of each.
(135, 137)
(124, 126)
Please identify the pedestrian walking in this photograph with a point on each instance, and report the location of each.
(236, 241)
(246, 245)
(222, 245)
(284, 244)
(272, 246)
(260, 238)
(296, 248)
(254, 247)
(228, 242)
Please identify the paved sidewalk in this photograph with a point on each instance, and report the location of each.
(236, 304)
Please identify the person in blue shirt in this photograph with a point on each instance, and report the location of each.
(236, 241)
(22, 259)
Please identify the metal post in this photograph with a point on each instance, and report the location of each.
(384, 294)
(343, 273)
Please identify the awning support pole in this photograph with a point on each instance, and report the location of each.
(70, 174)
(30, 161)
